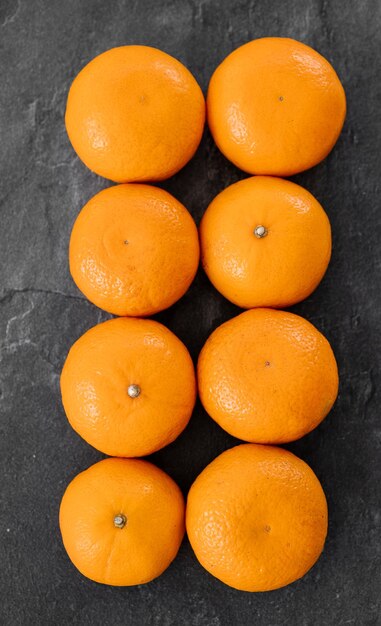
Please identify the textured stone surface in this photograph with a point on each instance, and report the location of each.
(43, 186)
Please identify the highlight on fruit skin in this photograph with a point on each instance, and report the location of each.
(135, 113)
(267, 376)
(265, 242)
(128, 387)
(257, 518)
(275, 106)
(134, 250)
(122, 521)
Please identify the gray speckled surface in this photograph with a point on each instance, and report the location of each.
(43, 185)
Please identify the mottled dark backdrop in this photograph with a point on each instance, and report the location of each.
(43, 185)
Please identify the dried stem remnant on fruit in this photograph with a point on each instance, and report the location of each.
(260, 231)
(120, 520)
(133, 391)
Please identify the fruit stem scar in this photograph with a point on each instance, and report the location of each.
(260, 231)
(125, 241)
(281, 98)
(120, 520)
(133, 391)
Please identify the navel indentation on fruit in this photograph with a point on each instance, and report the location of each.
(120, 520)
(133, 391)
(267, 528)
(281, 98)
(126, 242)
(267, 363)
(260, 231)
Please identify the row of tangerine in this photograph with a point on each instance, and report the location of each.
(129, 388)
(275, 106)
(265, 241)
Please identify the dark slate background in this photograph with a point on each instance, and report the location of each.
(43, 185)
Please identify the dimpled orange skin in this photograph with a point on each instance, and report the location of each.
(267, 376)
(153, 508)
(257, 518)
(98, 372)
(134, 250)
(275, 106)
(134, 113)
(279, 269)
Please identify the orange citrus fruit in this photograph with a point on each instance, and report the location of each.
(257, 518)
(134, 113)
(133, 250)
(128, 386)
(275, 106)
(265, 242)
(122, 521)
(267, 376)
